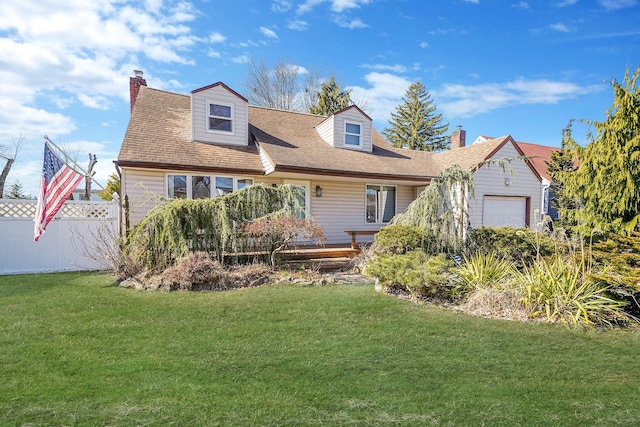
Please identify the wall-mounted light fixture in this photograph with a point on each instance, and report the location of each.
(318, 191)
(507, 181)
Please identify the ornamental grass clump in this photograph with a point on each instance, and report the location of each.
(565, 292)
(484, 271)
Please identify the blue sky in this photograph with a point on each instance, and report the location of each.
(523, 68)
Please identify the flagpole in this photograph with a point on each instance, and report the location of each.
(68, 159)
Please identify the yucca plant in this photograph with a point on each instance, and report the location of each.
(564, 291)
(484, 270)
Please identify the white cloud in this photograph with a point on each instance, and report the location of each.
(468, 100)
(397, 68)
(298, 25)
(242, 59)
(617, 4)
(281, 5)
(268, 33)
(560, 27)
(567, 3)
(473, 1)
(308, 5)
(424, 45)
(350, 24)
(336, 5)
(521, 5)
(216, 37)
(81, 52)
(384, 94)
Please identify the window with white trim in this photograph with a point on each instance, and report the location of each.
(380, 204)
(352, 134)
(219, 117)
(203, 186)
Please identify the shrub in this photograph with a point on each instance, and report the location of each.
(484, 271)
(414, 272)
(518, 245)
(400, 239)
(197, 271)
(564, 292)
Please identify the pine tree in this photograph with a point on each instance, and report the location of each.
(560, 165)
(331, 98)
(16, 191)
(606, 183)
(415, 124)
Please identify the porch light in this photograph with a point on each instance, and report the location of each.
(507, 181)
(318, 191)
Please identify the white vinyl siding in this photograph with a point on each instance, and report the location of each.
(200, 109)
(490, 181)
(138, 185)
(342, 208)
(325, 130)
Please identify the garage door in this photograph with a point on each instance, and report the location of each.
(502, 211)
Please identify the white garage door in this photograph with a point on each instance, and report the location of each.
(502, 211)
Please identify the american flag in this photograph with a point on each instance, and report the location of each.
(57, 183)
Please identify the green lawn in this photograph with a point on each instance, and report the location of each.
(77, 350)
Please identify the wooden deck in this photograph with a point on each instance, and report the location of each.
(316, 252)
(334, 257)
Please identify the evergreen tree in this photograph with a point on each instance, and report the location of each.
(113, 186)
(415, 124)
(560, 164)
(606, 184)
(16, 191)
(331, 98)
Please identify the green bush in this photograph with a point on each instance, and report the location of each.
(400, 239)
(518, 245)
(415, 272)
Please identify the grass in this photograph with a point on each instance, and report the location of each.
(76, 350)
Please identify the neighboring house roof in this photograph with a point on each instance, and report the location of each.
(539, 156)
(159, 136)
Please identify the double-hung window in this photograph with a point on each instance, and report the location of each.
(220, 117)
(352, 134)
(380, 203)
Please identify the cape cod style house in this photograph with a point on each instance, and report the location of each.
(211, 142)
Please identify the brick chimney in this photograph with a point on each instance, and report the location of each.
(134, 86)
(458, 138)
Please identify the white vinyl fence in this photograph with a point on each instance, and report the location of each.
(69, 243)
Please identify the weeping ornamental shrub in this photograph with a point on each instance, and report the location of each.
(173, 229)
(441, 209)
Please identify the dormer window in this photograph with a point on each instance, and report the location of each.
(220, 117)
(352, 134)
